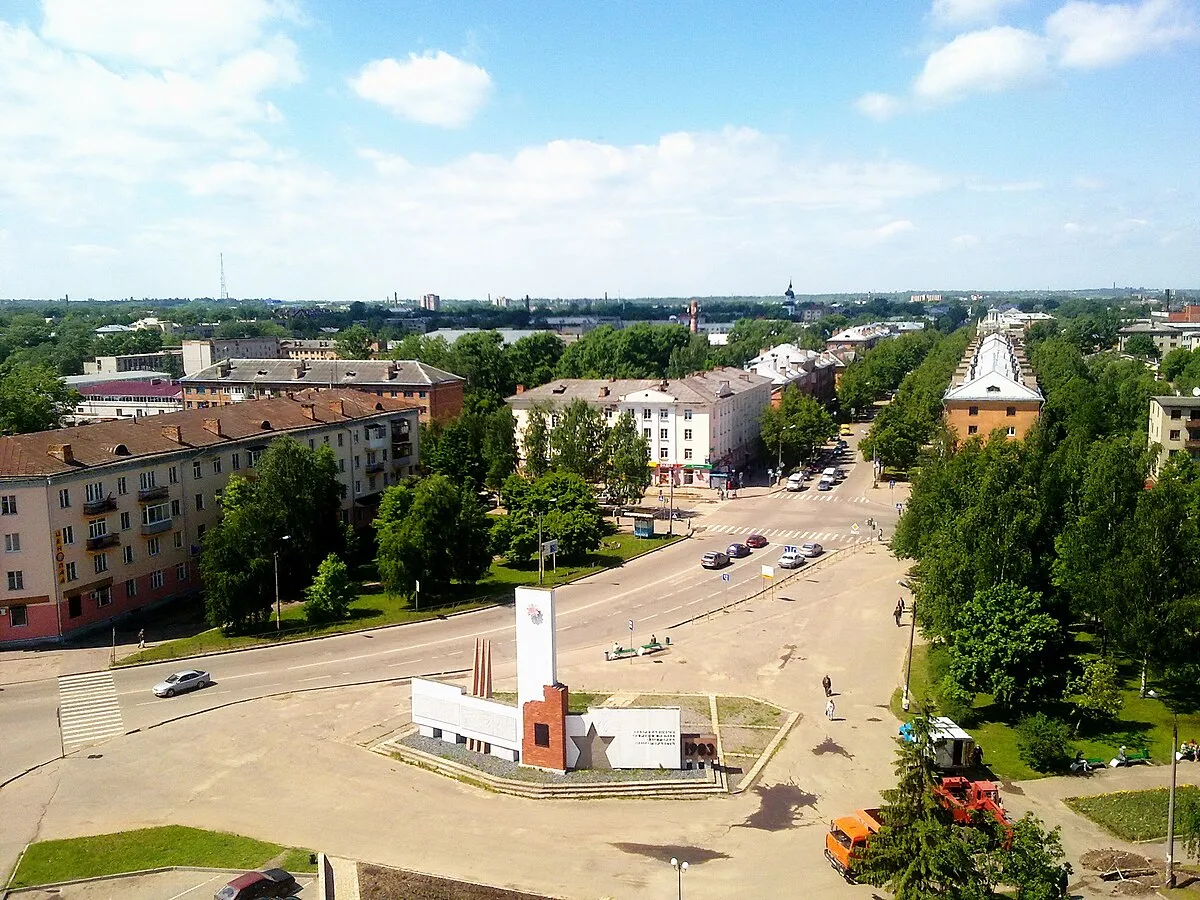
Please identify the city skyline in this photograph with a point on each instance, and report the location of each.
(334, 150)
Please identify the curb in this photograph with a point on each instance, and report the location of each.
(767, 754)
(56, 885)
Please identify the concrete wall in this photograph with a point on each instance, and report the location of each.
(641, 738)
(457, 714)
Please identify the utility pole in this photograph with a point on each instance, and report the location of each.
(912, 633)
(1169, 879)
(671, 514)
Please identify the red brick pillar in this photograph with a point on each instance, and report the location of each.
(544, 741)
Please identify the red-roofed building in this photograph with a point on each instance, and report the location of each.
(127, 400)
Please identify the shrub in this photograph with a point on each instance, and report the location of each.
(1044, 743)
(331, 592)
(955, 701)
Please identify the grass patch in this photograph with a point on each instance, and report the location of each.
(298, 861)
(1131, 815)
(577, 701)
(145, 848)
(733, 711)
(375, 610)
(918, 685)
(688, 703)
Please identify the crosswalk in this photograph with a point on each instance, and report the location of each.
(826, 536)
(88, 709)
(812, 495)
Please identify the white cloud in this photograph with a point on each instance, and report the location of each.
(1092, 35)
(964, 241)
(434, 88)
(995, 59)
(878, 106)
(953, 13)
(892, 229)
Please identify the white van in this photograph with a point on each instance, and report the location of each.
(831, 473)
(795, 482)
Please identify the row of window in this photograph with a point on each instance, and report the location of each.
(974, 411)
(1193, 414)
(974, 429)
(19, 615)
(95, 492)
(648, 414)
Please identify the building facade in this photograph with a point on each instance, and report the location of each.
(1174, 427)
(302, 348)
(126, 400)
(131, 362)
(199, 355)
(438, 394)
(787, 365)
(101, 520)
(993, 387)
(700, 428)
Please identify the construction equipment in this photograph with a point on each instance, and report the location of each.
(967, 799)
(847, 837)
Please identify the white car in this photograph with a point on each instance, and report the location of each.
(181, 682)
(795, 482)
(811, 548)
(790, 560)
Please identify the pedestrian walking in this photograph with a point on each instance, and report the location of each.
(830, 709)
(141, 638)
(898, 611)
(827, 683)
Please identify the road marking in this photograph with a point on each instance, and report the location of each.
(88, 708)
(195, 887)
(315, 678)
(672, 609)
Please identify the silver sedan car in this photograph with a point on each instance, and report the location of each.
(181, 682)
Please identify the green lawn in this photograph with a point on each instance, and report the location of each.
(147, 848)
(1131, 815)
(373, 610)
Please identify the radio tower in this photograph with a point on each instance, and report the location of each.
(224, 293)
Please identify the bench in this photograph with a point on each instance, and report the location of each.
(1138, 756)
(644, 650)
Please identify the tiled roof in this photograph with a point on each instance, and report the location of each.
(156, 388)
(703, 387)
(109, 442)
(346, 372)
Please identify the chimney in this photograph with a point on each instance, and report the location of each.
(520, 388)
(172, 433)
(213, 426)
(604, 391)
(391, 371)
(62, 452)
(338, 406)
(298, 371)
(309, 410)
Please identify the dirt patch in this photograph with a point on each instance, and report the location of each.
(379, 883)
(1107, 860)
(694, 856)
(778, 806)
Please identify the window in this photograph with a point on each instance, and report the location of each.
(173, 475)
(8, 504)
(74, 607)
(1012, 431)
(95, 491)
(1176, 413)
(1011, 411)
(100, 562)
(146, 480)
(181, 573)
(664, 414)
(356, 433)
(687, 453)
(199, 502)
(687, 415)
(358, 487)
(12, 542)
(178, 538)
(103, 596)
(131, 587)
(342, 437)
(127, 553)
(312, 444)
(972, 429)
(152, 515)
(1174, 434)
(200, 531)
(687, 434)
(195, 468)
(124, 521)
(646, 414)
(236, 461)
(663, 434)
(64, 498)
(175, 506)
(370, 482)
(341, 465)
(71, 573)
(217, 466)
(663, 453)
(121, 486)
(252, 458)
(97, 528)
(541, 734)
(18, 616)
(68, 534)
(16, 580)
(646, 433)
(156, 579)
(553, 424)
(356, 462)
(972, 410)
(152, 546)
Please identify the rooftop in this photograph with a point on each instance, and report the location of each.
(321, 372)
(994, 372)
(42, 453)
(155, 387)
(703, 387)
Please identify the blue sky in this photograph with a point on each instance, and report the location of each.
(349, 150)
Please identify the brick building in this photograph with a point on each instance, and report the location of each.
(994, 387)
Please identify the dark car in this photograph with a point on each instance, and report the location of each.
(253, 885)
(756, 541)
(737, 551)
(714, 559)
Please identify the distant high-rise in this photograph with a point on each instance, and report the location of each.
(431, 302)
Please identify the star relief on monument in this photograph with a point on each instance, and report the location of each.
(593, 749)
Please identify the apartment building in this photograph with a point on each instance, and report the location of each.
(1174, 427)
(993, 387)
(301, 348)
(100, 520)
(699, 428)
(199, 355)
(438, 394)
(811, 372)
(126, 400)
(161, 360)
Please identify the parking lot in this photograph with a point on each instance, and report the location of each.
(173, 885)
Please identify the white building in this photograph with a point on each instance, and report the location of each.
(813, 372)
(1009, 318)
(126, 400)
(699, 428)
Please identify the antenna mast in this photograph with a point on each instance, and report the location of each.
(224, 293)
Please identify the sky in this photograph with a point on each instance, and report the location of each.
(352, 150)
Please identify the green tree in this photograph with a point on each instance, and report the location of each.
(534, 358)
(237, 574)
(626, 461)
(499, 447)
(1008, 647)
(569, 511)
(480, 358)
(536, 442)
(32, 398)
(1175, 362)
(577, 441)
(1096, 691)
(692, 357)
(412, 526)
(1141, 345)
(793, 430)
(354, 343)
(455, 448)
(332, 591)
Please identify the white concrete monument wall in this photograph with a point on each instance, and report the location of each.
(625, 738)
(536, 643)
(458, 714)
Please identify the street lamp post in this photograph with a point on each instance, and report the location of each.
(912, 633)
(541, 555)
(680, 868)
(779, 461)
(278, 608)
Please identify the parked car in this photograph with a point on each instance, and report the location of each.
(825, 484)
(253, 885)
(181, 682)
(829, 472)
(756, 541)
(737, 551)
(846, 430)
(714, 559)
(790, 560)
(795, 482)
(840, 474)
(811, 548)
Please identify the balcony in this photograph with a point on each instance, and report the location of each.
(374, 468)
(92, 507)
(402, 450)
(377, 439)
(103, 542)
(156, 527)
(151, 494)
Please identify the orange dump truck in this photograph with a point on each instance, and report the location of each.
(847, 837)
